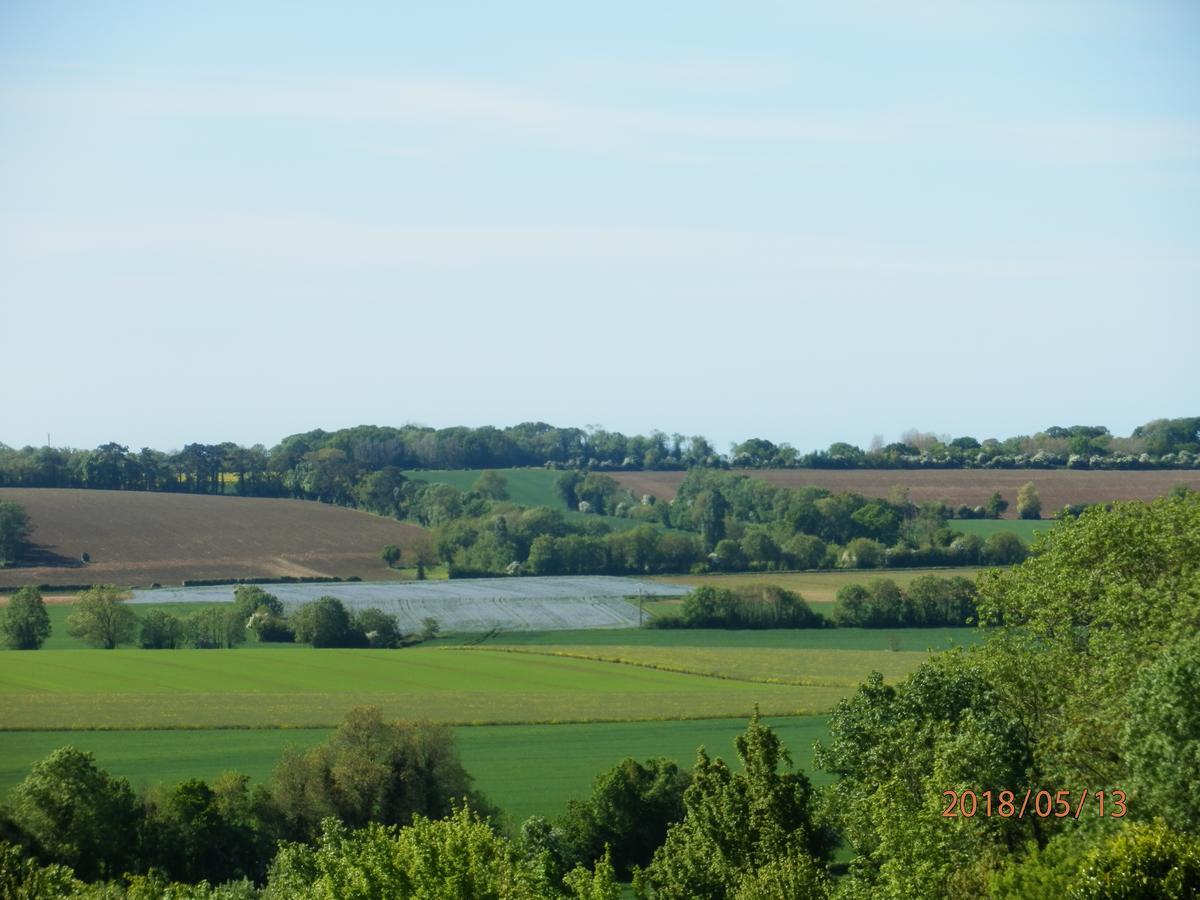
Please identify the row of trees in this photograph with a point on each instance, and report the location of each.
(329, 465)
(929, 601)
(103, 619)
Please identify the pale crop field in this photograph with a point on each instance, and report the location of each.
(466, 605)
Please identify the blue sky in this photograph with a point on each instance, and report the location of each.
(806, 222)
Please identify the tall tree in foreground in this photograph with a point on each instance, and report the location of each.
(25, 622)
(1087, 679)
(102, 618)
(77, 814)
(742, 828)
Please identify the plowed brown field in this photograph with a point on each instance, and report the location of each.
(1057, 487)
(138, 538)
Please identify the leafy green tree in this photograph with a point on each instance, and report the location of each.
(77, 814)
(708, 513)
(1004, 549)
(938, 602)
(196, 832)
(249, 599)
(217, 627)
(381, 630)
(995, 506)
(894, 751)
(795, 875)
(564, 487)
(1029, 502)
(370, 770)
(729, 554)
(21, 878)
(429, 629)
(1161, 738)
(161, 631)
(737, 823)
(598, 490)
(862, 553)
(25, 624)
(760, 549)
(15, 528)
(804, 551)
(879, 521)
(853, 607)
(492, 485)
(1103, 595)
(326, 623)
(628, 812)
(454, 858)
(1146, 861)
(102, 619)
(390, 555)
(383, 492)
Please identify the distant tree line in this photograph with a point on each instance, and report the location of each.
(102, 618)
(329, 466)
(929, 601)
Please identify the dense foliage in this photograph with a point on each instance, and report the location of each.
(24, 621)
(1085, 682)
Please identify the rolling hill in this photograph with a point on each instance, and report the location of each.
(139, 538)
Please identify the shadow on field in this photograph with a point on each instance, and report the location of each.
(37, 556)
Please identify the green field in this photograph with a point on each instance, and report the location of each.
(301, 687)
(768, 665)
(1025, 529)
(815, 587)
(525, 769)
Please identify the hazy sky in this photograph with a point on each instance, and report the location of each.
(808, 222)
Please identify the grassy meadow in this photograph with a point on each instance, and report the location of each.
(131, 689)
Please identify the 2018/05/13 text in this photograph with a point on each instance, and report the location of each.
(1044, 804)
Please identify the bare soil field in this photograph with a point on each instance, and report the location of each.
(138, 538)
(1057, 487)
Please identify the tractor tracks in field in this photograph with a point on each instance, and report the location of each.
(675, 668)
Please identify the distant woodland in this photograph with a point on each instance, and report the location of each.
(322, 465)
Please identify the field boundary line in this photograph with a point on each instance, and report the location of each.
(662, 667)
